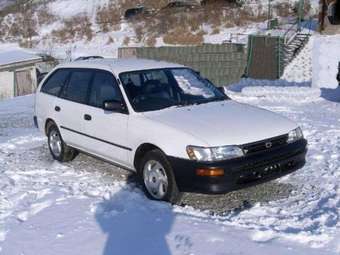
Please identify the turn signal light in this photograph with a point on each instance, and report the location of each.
(210, 172)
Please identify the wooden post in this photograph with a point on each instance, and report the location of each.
(14, 83)
(322, 15)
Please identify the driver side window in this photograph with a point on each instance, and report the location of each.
(104, 88)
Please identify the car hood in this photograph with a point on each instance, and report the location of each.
(224, 123)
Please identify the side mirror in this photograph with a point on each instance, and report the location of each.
(221, 89)
(114, 106)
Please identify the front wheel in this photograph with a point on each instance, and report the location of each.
(59, 150)
(158, 178)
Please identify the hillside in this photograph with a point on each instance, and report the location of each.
(68, 28)
(5, 3)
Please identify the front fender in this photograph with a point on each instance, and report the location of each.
(171, 141)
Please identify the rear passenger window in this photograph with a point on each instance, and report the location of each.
(104, 88)
(55, 82)
(78, 86)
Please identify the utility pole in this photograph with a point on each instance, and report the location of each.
(269, 14)
(301, 13)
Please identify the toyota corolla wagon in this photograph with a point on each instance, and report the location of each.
(165, 122)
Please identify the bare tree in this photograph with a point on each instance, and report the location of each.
(26, 20)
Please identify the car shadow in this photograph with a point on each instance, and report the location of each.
(332, 95)
(134, 224)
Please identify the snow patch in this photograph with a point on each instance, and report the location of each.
(274, 91)
(263, 236)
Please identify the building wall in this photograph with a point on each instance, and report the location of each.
(30, 88)
(6, 85)
(8, 82)
(223, 64)
(326, 57)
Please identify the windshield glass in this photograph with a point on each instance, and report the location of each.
(150, 90)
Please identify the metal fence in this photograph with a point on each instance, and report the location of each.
(223, 64)
(265, 57)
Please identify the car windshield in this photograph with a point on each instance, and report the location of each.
(151, 90)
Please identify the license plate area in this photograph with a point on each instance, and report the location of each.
(253, 176)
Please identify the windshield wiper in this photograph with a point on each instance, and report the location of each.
(184, 103)
(209, 101)
(187, 103)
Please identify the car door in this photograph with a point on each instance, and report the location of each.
(45, 98)
(106, 130)
(71, 107)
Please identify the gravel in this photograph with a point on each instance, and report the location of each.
(216, 204)
(240, 199)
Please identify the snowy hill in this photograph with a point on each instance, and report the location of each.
(98, 27)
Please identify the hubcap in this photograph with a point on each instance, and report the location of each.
(155, 179)
(55, 143)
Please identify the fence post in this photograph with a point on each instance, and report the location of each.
(250, 54)
(301, 12)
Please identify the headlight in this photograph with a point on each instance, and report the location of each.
(295, 135)
(214, 153)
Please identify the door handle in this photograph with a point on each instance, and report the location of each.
(57, 109)
(87, 117)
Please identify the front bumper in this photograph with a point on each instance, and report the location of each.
(242, 172)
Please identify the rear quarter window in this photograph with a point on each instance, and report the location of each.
(78, 86)
(55, 82)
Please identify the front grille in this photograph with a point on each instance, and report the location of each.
(265, 145)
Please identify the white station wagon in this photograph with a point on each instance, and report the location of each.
(175, 129)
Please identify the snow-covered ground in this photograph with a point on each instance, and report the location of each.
(90, 207)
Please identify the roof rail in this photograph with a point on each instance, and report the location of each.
(88, 58)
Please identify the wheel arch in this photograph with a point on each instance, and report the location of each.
(48, 123)
(141, 151)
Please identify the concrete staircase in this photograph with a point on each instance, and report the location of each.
(294, 47)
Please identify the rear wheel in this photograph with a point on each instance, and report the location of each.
(59, 150)
(157, 177)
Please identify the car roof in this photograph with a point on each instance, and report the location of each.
(122, 65)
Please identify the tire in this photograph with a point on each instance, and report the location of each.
(154, 169)
(58, 149)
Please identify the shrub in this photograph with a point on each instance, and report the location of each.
(283, 9)
(151, 41)
(76, 28)
(126, 41)
(45, 17)
(108, 17)
(182, 36)
(110, 40)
